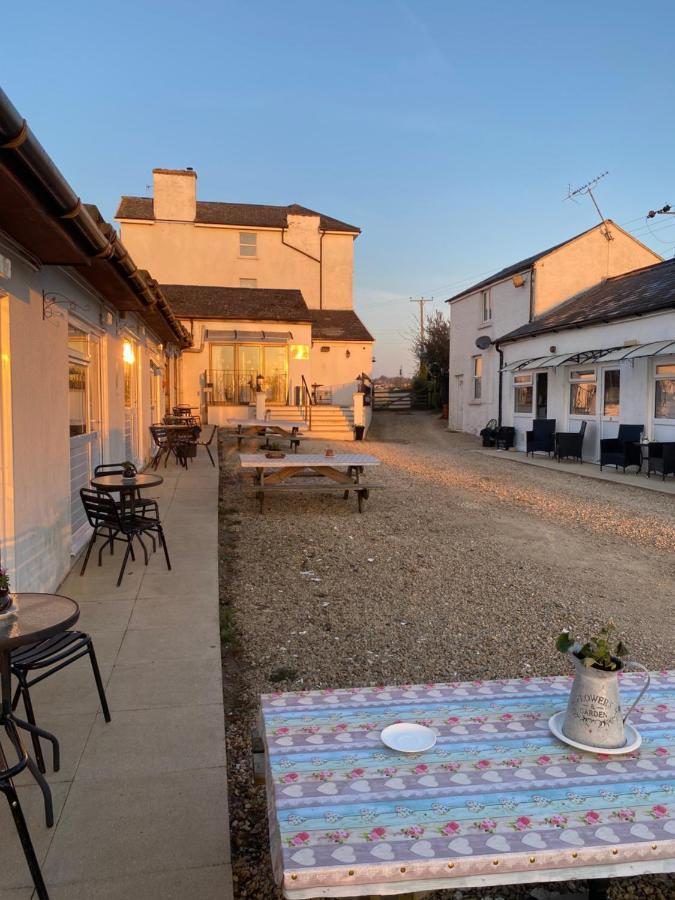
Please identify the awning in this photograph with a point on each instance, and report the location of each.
(583, 357)
(248, 337)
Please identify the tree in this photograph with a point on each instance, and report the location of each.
(432, 350)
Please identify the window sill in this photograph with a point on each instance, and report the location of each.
(484, 325)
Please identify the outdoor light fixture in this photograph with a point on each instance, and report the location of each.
(299, 351)
(348, 353)
(128, 353)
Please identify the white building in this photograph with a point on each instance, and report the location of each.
(606, 357)
(88, 347)
(516, 296)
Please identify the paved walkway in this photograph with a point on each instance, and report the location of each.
(140, 803)
(629, 478)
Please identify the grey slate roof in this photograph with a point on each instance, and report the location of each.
(245, 215)
(633, 294)
(521, 266)
(192, 301)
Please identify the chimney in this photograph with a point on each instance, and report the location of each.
(175, 194)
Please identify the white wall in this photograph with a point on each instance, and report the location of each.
(637, 379)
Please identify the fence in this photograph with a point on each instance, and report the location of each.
(393, 399)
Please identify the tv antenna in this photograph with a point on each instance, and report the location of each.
(587, 190)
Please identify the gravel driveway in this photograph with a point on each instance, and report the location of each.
(466, 566)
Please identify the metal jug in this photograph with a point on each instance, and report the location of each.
(593, 714)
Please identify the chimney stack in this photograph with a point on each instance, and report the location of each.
(175, 194)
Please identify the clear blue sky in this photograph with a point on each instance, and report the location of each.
(447, 131)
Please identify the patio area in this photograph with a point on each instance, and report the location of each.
(630, 478)
(140, 803)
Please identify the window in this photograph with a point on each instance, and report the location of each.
(486, 306)
(522, 394)
(611, 392)
(77, 398)
(477, 377)
(664, 395)
(583, 390)
(248, 243)
(248, 282)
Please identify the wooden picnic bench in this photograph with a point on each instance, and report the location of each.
(311, 472)
(287, 430)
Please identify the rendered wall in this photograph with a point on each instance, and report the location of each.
(338, 371)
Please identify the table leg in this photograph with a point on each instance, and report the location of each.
(597, 888)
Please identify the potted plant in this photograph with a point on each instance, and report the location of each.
(5, 597)
(593, 716)
(128, 470)
(330, 451)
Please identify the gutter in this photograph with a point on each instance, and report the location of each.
(97, 238)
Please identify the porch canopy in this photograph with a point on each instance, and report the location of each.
(580, 357)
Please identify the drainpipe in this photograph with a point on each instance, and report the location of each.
(309, 256)
(501, 380)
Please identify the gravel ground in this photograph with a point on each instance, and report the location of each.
(442, 578)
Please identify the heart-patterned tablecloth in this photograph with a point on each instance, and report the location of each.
(497, 794)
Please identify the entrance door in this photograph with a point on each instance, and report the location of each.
(458, 412)
(541, 398)
(274, 370)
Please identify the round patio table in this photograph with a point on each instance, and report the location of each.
(36, 617)
(127, 489)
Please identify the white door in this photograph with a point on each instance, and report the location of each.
(84, 393)
(458, 412)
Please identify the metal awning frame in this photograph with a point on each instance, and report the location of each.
(583, 357)
(238, 336)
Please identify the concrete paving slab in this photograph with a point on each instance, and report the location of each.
(165, 683)
(13, 866)
(178, 612)
(148, 742)
(71, 690)
(98, 616)
(209, 883)
(140, 825)
(72, 730)
(168, 642)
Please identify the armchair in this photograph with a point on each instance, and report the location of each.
(569, 444)
(661, 459)
(623, 450)
(541, 437)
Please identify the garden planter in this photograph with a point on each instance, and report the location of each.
(5, 600)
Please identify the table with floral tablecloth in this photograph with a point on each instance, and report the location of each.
(497, 800)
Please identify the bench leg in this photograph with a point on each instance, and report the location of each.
(360, 496)
(261, 500)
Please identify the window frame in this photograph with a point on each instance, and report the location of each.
(659, 377)
(614, 416)
(248, 244)
(486, 306)
(526, 381)
(477, 378)
(585, 376)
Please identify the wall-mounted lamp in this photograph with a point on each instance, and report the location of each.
(348, 353)
(128, 354)
(551, 349)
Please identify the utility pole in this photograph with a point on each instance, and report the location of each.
(421, 301)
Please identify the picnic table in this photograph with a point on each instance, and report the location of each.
(311, 472)
(287, 429)
(498, 800)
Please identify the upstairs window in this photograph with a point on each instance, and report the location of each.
(664, 395)
(477, 377)
(248, 243)
(248, 282)
(486, 306)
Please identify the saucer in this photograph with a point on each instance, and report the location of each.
(633, 738)
(408, 737)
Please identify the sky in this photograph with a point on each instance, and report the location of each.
(449, 132)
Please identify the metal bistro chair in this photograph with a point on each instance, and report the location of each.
(105, 518)
(48, 657)
(207, 444)
(570, 443)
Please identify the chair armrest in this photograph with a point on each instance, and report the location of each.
(529, 434)
(611, 444)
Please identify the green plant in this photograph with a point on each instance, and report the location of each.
(603, 651)
(4, 580)
(275, 445)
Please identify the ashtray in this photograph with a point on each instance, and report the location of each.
(633, 737)
(408, 737)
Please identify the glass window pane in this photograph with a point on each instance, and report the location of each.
(582, 399)
(523, 379)
(249, 361)
(668, 369)
(77, 339)
(477, 388)
(222, 357)
(478, 366)
(247, 243)
(522, 402)
(77, 398)
(612, 390)
(275, 373)
(664, 401)
(582, 375)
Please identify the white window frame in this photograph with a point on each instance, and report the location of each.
(609, 417)
(592, 370)
(486, 306)
(662, 377)
(250, 285)
(477, 378)
(246, 244)
(526, 380)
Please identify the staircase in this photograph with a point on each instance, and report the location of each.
(333, 422)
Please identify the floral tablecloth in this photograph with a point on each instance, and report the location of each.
(497, 800)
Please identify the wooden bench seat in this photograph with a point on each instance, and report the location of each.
(323, 486)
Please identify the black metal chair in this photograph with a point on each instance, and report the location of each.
(119, 469)
(489, 433)
(541, 439)
(569, 444)
(207, 444)
(506, 437)
(624, 449)
(48, 657)
(661, 459)
(162, 446)
(106, 519)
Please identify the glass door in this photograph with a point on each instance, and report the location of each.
(249, 369)
(275, 372)
(541, 408)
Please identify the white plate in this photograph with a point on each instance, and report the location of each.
(408, 737)
(633, 737)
